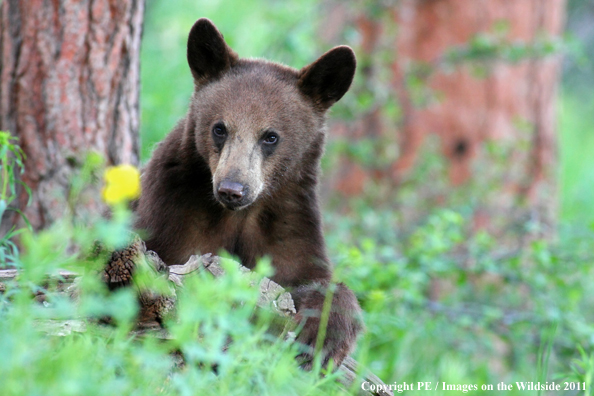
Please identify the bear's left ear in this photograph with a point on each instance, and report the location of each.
(329, 78)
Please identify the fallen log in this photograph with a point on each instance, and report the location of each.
(154, 306)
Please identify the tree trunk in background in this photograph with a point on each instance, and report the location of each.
(69, 85)
(351, 177)
(514, 105)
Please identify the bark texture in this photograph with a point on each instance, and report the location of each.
(351, 177)
(514, 105)
(69, 85)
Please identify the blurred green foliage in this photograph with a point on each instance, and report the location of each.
(576, 160)
(500, 316)
(11, 165)
(225, 345)
(440, 303)
(443, 303)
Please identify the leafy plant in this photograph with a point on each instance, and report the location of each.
(11, 164)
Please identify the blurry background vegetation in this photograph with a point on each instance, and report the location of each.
(288, 32)
(576, 126)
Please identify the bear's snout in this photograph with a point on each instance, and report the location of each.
(232, 194)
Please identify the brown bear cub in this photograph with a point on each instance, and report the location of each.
(240, 173)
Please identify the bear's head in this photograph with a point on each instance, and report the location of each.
(259, 125)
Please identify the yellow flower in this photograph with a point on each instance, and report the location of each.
(122, 183)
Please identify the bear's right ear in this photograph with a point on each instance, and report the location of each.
(208, 54)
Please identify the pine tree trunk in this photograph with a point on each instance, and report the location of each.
(69, 85)
(513, 106)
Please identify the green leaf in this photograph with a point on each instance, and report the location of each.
(3, 207)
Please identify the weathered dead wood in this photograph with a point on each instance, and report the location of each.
(154, 306)
(62, 276)
(66, 276)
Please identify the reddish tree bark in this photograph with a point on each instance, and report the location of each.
(513, 105)
(351, 177)
(69, 84)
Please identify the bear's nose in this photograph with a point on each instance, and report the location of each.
(230, 191)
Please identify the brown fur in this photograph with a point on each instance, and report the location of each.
(238, 108)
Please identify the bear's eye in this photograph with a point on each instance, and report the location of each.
(271, 138)
(219, 130)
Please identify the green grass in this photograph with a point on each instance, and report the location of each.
(517, 318)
